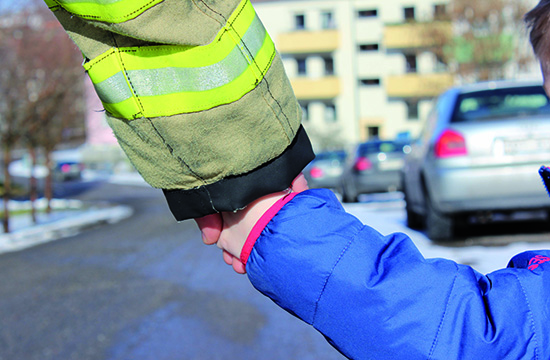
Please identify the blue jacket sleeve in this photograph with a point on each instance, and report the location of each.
(376, 297)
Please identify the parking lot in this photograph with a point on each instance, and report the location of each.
(485, 247)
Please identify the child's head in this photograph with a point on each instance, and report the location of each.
(538, 23)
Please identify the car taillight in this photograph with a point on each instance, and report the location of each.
(362, 164)
(450, 143)
(316, 172)
(65, 168)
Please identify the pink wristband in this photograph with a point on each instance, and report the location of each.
(262, 223)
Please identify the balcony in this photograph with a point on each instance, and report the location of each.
(418, 85)
(316, 89)
(304, 42)
(417, 35)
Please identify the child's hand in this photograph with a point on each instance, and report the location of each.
(237, 225)
(230, 229)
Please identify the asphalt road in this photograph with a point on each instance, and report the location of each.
(144, 288)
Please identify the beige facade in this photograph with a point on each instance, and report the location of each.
(360, 68)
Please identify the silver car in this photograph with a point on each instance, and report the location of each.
(477, 158)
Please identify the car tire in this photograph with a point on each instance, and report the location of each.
(349, 195)
(414, 220)
(439, 226)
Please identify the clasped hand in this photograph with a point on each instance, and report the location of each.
(229, 230)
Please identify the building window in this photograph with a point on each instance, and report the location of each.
(305, 111)
(368, 47)
(330, 113)
(408, 13)
(373, 132)
(440, 11)
(299, 21)
(302, 69)
(370, 82)
(327, 20)
(412, 109)
(367, 13)
(410, 63)
(329, 66)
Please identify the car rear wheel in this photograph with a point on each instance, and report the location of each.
(439, 226)
(414, 220)
(349, 194)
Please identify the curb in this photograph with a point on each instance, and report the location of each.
(43, 233)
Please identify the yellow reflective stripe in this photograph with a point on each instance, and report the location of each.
(195, 101)
(105, 65)
(238, 24)
(127, 109)
(107, 78)
(170, 80)
(112, 11)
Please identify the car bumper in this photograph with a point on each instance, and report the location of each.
(378, 182)
(323, 183)
(487, 189)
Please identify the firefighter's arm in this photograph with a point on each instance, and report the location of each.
(195, 94)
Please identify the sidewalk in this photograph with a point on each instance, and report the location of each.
(74, 217)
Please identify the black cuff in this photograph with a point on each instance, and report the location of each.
(235, 192)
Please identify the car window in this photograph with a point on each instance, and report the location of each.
(378, 147)
(501, 104)
(337, 155)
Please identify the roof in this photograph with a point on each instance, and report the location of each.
(498, 84)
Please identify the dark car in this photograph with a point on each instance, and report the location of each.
(326, 169)
(67, 170)
(478, 156)
(375, 168)
(67, 165)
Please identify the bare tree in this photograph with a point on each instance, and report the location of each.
(485, 38)
(41, 90)
(55, 85)
(12, 107)
(328, 138)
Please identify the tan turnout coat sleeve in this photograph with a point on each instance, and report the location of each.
(209, 159)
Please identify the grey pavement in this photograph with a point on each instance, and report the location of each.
(144, 288)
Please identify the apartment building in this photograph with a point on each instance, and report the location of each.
(360, 68)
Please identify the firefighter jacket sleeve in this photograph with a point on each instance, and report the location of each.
(377, 297)
(196, 95)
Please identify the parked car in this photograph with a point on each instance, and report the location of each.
(375, 167)
(478, 156)
(66, 165)
(326, 169)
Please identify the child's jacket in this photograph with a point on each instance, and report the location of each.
(376, 297)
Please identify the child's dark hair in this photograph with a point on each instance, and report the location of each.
(538, 22)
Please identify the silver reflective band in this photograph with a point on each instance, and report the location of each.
(114, 89)
(171, 80)
(175, 80)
